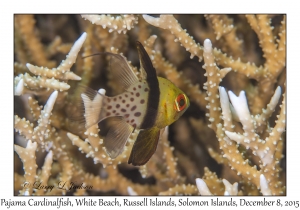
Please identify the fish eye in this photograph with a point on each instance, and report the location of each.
(180, 102)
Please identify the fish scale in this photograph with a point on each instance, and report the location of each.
(131, 105)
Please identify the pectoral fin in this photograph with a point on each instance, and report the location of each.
(144, 146)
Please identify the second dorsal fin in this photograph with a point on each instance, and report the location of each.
(120, 68)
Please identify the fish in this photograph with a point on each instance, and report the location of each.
(149, 103)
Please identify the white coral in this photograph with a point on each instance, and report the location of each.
(230, 189)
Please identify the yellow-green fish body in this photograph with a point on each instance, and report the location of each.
(169, 108)
(150, 104)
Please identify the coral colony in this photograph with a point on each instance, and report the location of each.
(230, 141)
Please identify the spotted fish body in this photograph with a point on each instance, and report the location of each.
(131, 105)
(149, 104)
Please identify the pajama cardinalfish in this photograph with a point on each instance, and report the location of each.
(150, 104)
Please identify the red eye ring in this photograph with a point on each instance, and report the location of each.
(180, 102)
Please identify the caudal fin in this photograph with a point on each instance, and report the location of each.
(85, 110)
(93, 102)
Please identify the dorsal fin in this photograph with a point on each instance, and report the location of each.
(119, 67)
(145, 62)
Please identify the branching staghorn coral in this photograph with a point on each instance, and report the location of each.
(50, 78)
(120, 23)
(221, 146)
(267, 150)
(216, 185)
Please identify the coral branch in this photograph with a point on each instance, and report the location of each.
(261, 120)
(170, 23)
(63, 70)
(282, 44)
(27, 156)
(43, 130)
(19, 88)
(46, 172)
(230, 189)
(264, 149)
(181, 190)
(225, 105)
(214, 77)
(25, 26)
(47, 78)
(223, 27)
(267, 43)
(202, 187)
(120, 23)
(265, 190)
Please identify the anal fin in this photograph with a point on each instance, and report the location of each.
(144, 146)
(116, 137)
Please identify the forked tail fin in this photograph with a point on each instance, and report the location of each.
(93, 102)
(87, 108)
